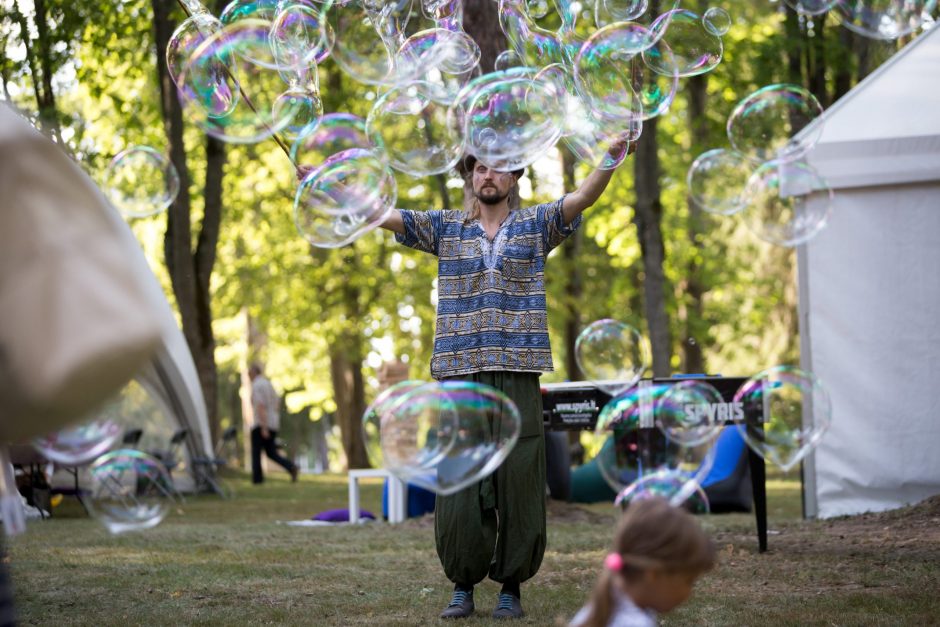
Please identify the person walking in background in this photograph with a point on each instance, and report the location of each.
(659, 552)
(266, 411)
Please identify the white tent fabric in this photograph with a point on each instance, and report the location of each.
(870, 291)
(71, 199)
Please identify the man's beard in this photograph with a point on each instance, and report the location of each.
(490, 196)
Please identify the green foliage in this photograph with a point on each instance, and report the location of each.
(373, 298)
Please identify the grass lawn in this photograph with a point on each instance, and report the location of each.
(219, 562)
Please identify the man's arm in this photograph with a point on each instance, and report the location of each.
(394, 222)
(591, 188)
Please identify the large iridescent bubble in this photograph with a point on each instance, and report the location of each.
(79, 444)
(673, 486)
(335, 133)
(376, 411)
(694, 50)
(811, 7)
(130, 491)
(612, 355)
(419, 133)
(348, 195)
(141, 181)
(508, 118)
(884, 19)
(300, 37)
(603, 70)
(767, 124)
(717, 179)
(633, 447)
(469, 427)
(243, 50)
(688, 412)
(796, 412)
(787, 203)
(211, 86)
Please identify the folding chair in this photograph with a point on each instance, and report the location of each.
(172, 457)
(205, 469)
(131, 438)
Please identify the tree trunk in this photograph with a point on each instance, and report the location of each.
(693, 360)
(349, 391)
(190, 270)
(648, 218)
(47, 107)
(842, 64)
(573, 283)
(481, 22)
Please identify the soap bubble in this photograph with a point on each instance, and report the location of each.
(302, 99)
(633, 447)
(537, 46)
(508, 59)
(764, 126)
(673, 486)
(348, 195)
(447, 51)
(79, 444)
(336, 133)
(130, 491)
(694, 50)
(508, 118)
(717, 179)
(445, 436)
(787, 203)
(537, 9)
(243, 49)
(377, 409)
(620, 10)
(208, 83)
(300, 37)
(716, 21)
(141, 182)
(368, 39)
(796, 412)
(418, 132)
(811, 7)
(612, 354)
(884, 19)
(689, 412)
(603, 69)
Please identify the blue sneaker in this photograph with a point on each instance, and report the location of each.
(461, 605)
(509, 606)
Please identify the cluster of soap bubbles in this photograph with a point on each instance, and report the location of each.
(764, 177)
(875, 19)
(442, 436)
(252, 73)
(659, 439)
(127, 489)
(140, 181)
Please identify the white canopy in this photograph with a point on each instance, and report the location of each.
(870, 291)
(82, 311)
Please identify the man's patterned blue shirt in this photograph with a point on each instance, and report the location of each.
(491, 309)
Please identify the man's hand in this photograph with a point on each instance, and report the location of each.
(265, 434)
(303, 171)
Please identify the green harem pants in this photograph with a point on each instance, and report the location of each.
(497, 527)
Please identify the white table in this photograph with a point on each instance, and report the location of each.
(396, 493)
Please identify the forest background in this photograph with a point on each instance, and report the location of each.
(709, 295)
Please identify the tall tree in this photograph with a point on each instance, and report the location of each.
(190, 267)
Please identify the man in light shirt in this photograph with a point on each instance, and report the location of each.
(266, 410)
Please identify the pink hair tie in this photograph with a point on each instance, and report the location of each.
(613, 562)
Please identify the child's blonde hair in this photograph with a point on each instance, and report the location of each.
(652, 534)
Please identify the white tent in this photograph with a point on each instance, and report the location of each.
(44, 192)
(870, 291)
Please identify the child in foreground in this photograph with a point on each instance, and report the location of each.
(659, 552)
